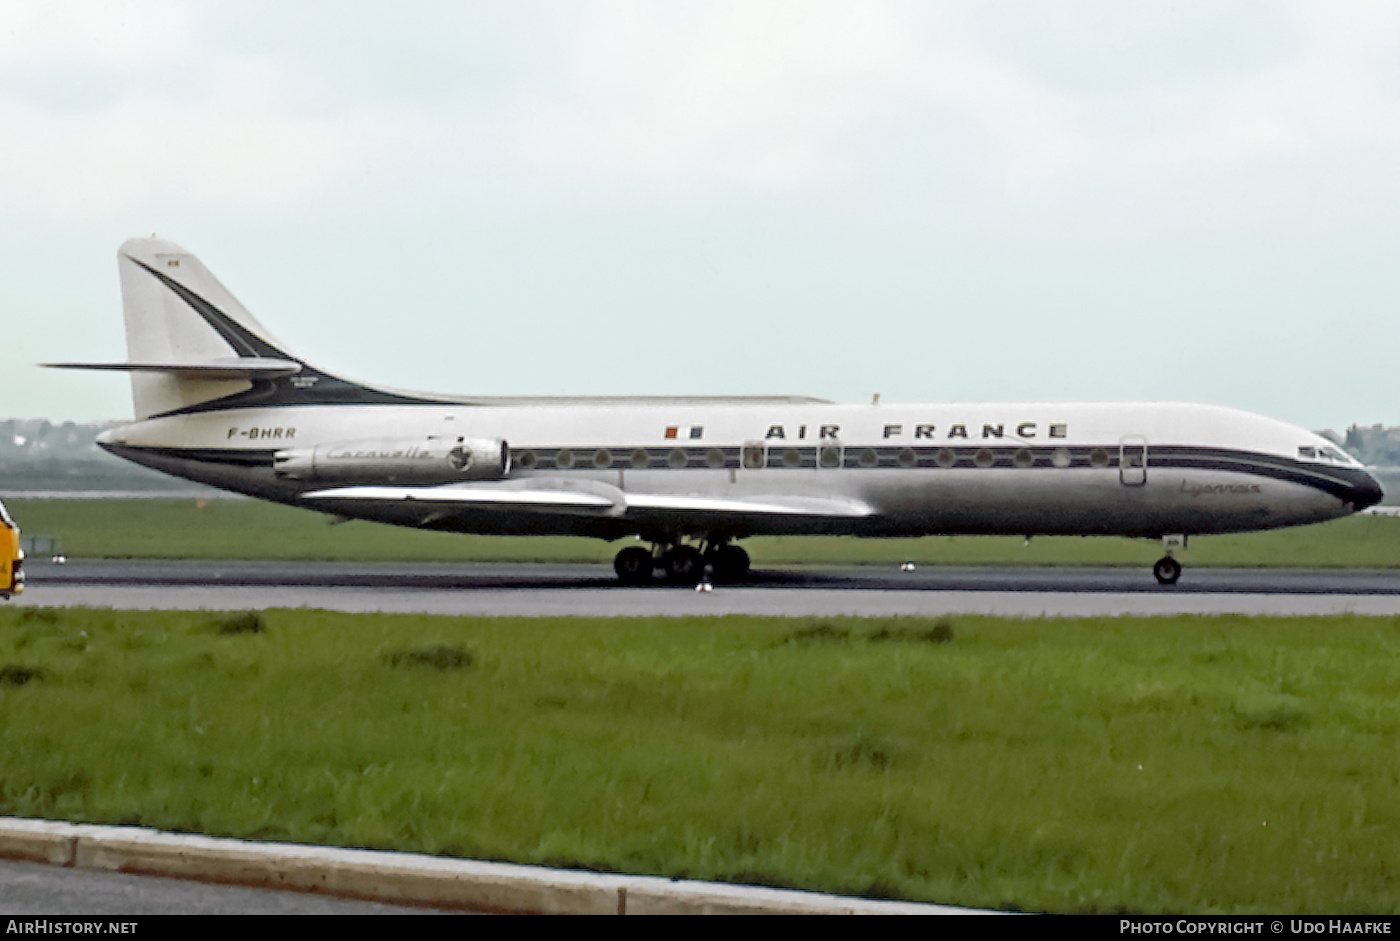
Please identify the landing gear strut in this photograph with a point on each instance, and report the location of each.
(1168, 570)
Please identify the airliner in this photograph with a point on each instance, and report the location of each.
(220, 401)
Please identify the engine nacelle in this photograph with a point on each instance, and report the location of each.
(437, 459)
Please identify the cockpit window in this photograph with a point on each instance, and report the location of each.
(1324, 453)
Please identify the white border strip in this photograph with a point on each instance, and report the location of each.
(408, 879)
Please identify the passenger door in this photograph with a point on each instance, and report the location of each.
(1132, 460)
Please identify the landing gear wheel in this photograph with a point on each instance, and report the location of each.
(684, 565)
(730, 563)
(1167, 570)
(634, 566)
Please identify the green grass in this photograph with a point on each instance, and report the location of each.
(246, 529)
(1188, 765)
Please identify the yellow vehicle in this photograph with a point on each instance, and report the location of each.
(11, 557)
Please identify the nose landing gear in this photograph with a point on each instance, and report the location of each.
(1167, 569)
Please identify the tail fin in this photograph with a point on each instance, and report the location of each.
(177, 313)
(192, 347)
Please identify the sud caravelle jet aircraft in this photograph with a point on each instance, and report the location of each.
(220, 401)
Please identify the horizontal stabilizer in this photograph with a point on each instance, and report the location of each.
(234, 367)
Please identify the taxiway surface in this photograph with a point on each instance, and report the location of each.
(591, 590)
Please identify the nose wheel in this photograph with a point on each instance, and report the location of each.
(1167, 570)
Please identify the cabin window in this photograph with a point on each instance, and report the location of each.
(907, 458)
(1024, 458)
(868, 458)
(602, 458)
(984, 458)
(676, 458)
(792, 457)
(564, 459)
(715, 458)
(525, 460)
(945, 457)
(640, 459)
(1060, 458)
(1098, 457)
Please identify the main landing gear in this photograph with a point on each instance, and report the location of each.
(1167, 569)
(681, 564)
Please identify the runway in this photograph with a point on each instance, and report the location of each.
(591, 590)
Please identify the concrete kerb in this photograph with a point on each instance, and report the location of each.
(405, 878)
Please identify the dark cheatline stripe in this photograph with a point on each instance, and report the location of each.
(236, 457)
(235, 335)
(311, 386)
(1341, 482)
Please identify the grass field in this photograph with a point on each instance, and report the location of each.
(246, 529)
(1187, 765)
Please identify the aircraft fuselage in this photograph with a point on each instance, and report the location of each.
(991, 468)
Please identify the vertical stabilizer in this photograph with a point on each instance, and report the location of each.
(177, 312)
(191, 347)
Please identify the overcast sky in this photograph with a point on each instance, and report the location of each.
(933, 201)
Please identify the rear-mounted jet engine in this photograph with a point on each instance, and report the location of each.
(432, 460)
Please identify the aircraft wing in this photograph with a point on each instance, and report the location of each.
(602, 499)
(757, 506)
(473, 497)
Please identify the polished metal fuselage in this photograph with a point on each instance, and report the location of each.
(1136, 469)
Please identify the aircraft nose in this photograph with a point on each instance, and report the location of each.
(1365, 491)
